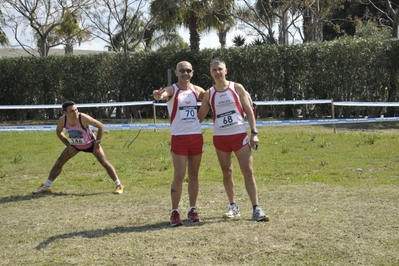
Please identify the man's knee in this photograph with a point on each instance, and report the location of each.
(60, 162)
(179, 177)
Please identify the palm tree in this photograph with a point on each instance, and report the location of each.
(129, 36)
(171, 14)
(150, 37)
(157, 39)
(239, 40)
(258, 41)
(220, 18)
(270, 12)
(70, 32)
(173, 46)
(67, 33)
(3, 37)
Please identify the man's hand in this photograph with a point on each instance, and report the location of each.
(157, 94)
(254, 140)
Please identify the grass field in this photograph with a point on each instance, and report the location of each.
(333, 199)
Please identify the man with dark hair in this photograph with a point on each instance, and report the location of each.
(80, 138)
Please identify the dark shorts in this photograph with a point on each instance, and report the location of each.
(230, 143)
(187, 145)
(90, 149)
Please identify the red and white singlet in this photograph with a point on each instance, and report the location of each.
(228, 114)
(182, 108)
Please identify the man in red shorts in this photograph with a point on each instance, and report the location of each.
(187, 140)
(229, 102)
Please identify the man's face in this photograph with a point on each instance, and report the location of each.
(218, 71)
(71, 112)
(184, 71)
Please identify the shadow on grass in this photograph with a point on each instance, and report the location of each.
(35, 196)
(132, 229)
(117, 230)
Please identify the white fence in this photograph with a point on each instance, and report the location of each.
(155, 125)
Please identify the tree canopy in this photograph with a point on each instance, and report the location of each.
(128, 26)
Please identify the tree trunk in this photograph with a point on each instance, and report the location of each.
(68, 48)
(395, 25)
(194, 32)
(43, 46)
(222, 38)
(307, 25)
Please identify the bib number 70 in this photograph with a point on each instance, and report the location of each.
(188, 113)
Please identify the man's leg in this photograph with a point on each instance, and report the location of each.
(56, 170)
(227, 171)
(179, 164)
(193, 170)
(245, 160)
(100, 155)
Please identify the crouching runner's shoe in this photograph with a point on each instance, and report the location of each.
(193, 216)
(42, 190)
(119, 189)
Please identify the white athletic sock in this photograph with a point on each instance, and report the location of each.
(117, 182)
(48, 183)
(175, 210)
(191, 207)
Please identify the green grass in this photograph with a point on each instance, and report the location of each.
(332, 200)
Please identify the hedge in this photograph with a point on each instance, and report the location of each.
(343, 70)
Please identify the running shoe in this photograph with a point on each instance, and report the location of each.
(175, 219)
(119, 189)
(42, 190)
(259, 216)
(193, 216)
(232, 212)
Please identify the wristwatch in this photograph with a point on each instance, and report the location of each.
(254, 131)
(97, 141)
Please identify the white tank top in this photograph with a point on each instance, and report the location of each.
(228, 114)
(182, 108)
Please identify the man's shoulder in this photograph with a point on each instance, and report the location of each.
(238, 87)
(61, 118)
(85, 117)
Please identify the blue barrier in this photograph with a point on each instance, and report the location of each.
(210, 125)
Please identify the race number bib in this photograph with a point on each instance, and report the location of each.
(77, 141)
(188, 113)
(227, 119)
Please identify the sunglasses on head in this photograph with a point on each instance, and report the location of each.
(185, 70)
